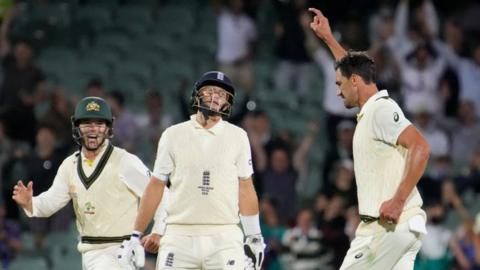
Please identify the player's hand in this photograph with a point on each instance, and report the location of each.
(254, 248)
(320, 24)
(131, 254)
(391, 210)
(151, 242)
(23, 194)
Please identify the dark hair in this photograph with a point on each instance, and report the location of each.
(95, 82)
(24, 41)
(358, 63)
(47, 126)
(117, 96)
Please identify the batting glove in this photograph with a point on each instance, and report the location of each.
(131, 253)
(254, 248)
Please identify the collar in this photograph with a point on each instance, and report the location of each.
(102, 151)
(379, 94)
(216, 129)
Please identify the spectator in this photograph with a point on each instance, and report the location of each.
(259, 131)
(294, 70)
(420, 67)
(387, 70)
(465, 133)
(468, 180)
(333, 106)
(467, 69)
(11, 168)
(305, 243)
(10, 243)
(153, 125)
(468, 246)
(57, 116)
(237, 34)
(436, 137)
(5, 5)
(331, 222)
(273, 232)
(6, 148)
(410, 32)
(430, 185)
(300, 157)
(95, 88)
(279, 180)
(420, 77)
(40, 166)
(450, 198)
(434, 253)
(23, 84)
(353, 219)
(343, 183)
(341, 150)
(380, 26)
(257, 125)
(23, 87)
(125, 125)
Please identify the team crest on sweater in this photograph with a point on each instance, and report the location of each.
(89, 209)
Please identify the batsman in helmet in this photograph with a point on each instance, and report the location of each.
(104, 183)
(208, 163)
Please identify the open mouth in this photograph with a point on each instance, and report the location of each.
(92, 138)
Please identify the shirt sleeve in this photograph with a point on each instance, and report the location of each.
(134, 173)
(55, 198)
(244, 159)
(164, 161)
(389, 122)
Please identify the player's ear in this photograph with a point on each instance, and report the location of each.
(354, 79)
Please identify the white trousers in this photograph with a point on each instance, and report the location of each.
(223, 250)
(101, 259)
(394, 249)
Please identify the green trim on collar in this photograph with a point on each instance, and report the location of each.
(88, 181)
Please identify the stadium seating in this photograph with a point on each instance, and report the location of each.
(24, 263)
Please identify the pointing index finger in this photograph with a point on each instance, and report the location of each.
(316, 11)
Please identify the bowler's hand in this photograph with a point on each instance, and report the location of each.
(391, 210)
(151, 242)
(23, 195)
(320, 24)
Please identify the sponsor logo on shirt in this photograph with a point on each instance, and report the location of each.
(89, 209)
(205, 187)
(169, 259)
(359, 255)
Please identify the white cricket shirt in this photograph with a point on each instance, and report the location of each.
(204, 167)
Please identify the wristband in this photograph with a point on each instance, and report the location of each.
(250, 224)
(137, 234)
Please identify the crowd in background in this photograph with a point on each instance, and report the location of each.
(427, 55)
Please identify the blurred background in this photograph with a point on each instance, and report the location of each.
(144, 56)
